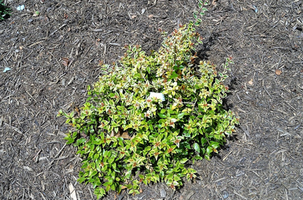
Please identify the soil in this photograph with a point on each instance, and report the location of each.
(53, 56)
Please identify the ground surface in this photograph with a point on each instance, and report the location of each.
(55, 55)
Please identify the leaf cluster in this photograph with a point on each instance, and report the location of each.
(127, 137)
(201, 11)
(4, 11)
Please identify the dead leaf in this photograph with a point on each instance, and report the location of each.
(100, 63)
(125, 135)
(134, 16)
(27, 168)
(112, 133)
(65, 61)
(251, 82)
(77, 109)
(278, 72)
(150, 16)
(72, 192)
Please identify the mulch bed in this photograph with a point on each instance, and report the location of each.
(54, 56)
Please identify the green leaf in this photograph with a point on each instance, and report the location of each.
(209, 150)
(180, 116)
(184, 160)
(214, 144)
(174, 75)
(59, 113)
(197, 147)
(69, 140)
(107, 188)
(97, 141)
(162, 115)
(203, 141)
(146, 150)
(81, 180)
(111, 160)
(116, 129)
(80, 141)
(93, 173)
(96, 156)
(163, 111)
(106, 184)
(100, 192)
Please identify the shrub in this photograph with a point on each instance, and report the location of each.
(151, 116)
(4, 11)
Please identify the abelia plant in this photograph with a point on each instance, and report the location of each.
(151, 117)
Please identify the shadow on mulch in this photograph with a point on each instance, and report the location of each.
(54, 56)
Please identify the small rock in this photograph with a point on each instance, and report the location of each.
(162, 193)
(225, 194)
(278, 72)
(6, 69)
(20, 7)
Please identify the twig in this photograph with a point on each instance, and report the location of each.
(97, 30)
(31, 96)
(57, 29)
(227, 155)
(36, 156)
(55, 58)
(60, 151)
(50, 164)
(35, 43)
(240, 195)
(14, 128)
(245, 131)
